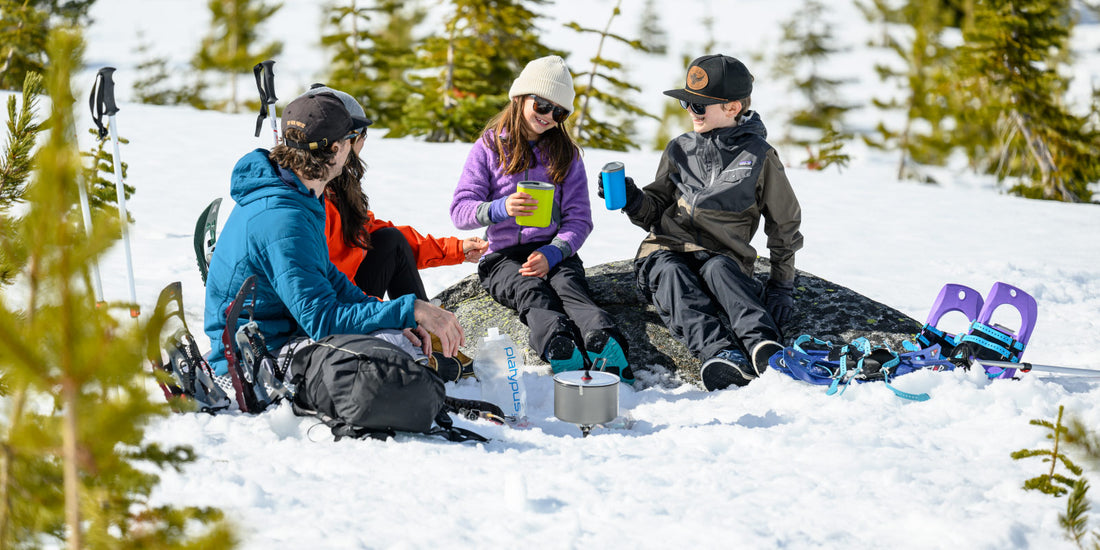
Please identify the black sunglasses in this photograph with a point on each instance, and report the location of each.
(544, 107)
(697, 108)
(356, 133)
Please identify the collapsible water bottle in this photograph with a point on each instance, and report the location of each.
(614, 185)
(499, 369)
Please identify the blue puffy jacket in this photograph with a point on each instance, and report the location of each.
(277, 232)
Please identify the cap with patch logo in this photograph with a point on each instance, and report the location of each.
(323, 119)
(715, 79)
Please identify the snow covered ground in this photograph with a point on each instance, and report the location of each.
(776, 464)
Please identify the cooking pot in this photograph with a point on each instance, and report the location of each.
(586, 397)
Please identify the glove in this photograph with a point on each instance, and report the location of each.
(634, 195)
(779, 298)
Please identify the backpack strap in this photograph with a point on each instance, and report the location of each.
(448, 430)
(341, 429)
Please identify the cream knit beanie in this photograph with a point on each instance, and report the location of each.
(548, 78)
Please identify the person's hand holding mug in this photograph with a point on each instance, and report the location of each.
(520, 204)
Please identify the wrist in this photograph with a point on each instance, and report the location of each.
(498, 210)
(552, 254)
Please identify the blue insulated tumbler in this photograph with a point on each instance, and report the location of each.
(614, 185)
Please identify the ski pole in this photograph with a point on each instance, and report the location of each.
(265, 84)
(1028, 367)
(85, 210)
(103, 99)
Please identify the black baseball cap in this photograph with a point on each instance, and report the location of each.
(715, 79)
(323, 118)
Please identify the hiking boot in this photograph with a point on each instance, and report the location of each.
(728, 367)
(465, 364)
(563, 355)
(601, 345)
(762, 353)
(448, 368)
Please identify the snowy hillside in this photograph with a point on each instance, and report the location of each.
(776, 464)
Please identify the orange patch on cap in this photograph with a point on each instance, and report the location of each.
(697, 78)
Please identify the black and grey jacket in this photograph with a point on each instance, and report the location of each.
(710, 192)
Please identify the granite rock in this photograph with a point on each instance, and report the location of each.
(822, 308)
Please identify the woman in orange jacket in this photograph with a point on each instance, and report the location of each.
(396, 253)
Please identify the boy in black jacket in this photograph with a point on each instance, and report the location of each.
(712, 187)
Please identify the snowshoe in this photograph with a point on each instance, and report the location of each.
(823, 363)
(189, 377)
(251, 366)
(206, 235)
(987, 340)
(952, 297)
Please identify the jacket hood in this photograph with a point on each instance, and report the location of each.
(751, 125)
(255, 178)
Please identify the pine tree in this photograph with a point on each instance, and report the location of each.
(654, 37)
(1076, 436)
(587, 130)
(15, 169)
(99, 175)
(925, 80)
(368, 59)
(1010, 67)
(228, 48)
(673, 121)
(461, 79)
(807, 42)
(24, 25)
(73, 456)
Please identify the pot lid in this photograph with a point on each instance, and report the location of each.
(594, 378)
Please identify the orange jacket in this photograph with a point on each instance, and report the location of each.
(429, 251)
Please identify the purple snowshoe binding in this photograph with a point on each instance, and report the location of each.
(953, 297)
(987, 340)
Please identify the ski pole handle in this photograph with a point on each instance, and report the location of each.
(107, 90)
(267, 92)
(101, 100)
(264, 72)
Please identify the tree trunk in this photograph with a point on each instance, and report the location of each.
(7, 456)
(583, 111)
(69, 455)
(1053, 186)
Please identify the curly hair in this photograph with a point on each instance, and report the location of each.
(346, 193)
(504, 135)
(310, 165)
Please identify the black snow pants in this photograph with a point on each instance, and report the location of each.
(390, 267)
(706, 301)
(560, 303)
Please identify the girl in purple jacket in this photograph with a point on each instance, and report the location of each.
(536, 270)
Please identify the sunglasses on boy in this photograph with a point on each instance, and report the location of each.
(697, 108)
(544, 107)
(356, 133)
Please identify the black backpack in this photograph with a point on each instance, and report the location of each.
(361, 386)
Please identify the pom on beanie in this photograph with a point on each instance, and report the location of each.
(548, 78)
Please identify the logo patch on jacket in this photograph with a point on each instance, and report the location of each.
(745, 163)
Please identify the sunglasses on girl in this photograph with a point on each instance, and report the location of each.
(356, 133)
(697, 108)
(544, 107)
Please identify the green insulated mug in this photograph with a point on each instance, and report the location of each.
(543, 193)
